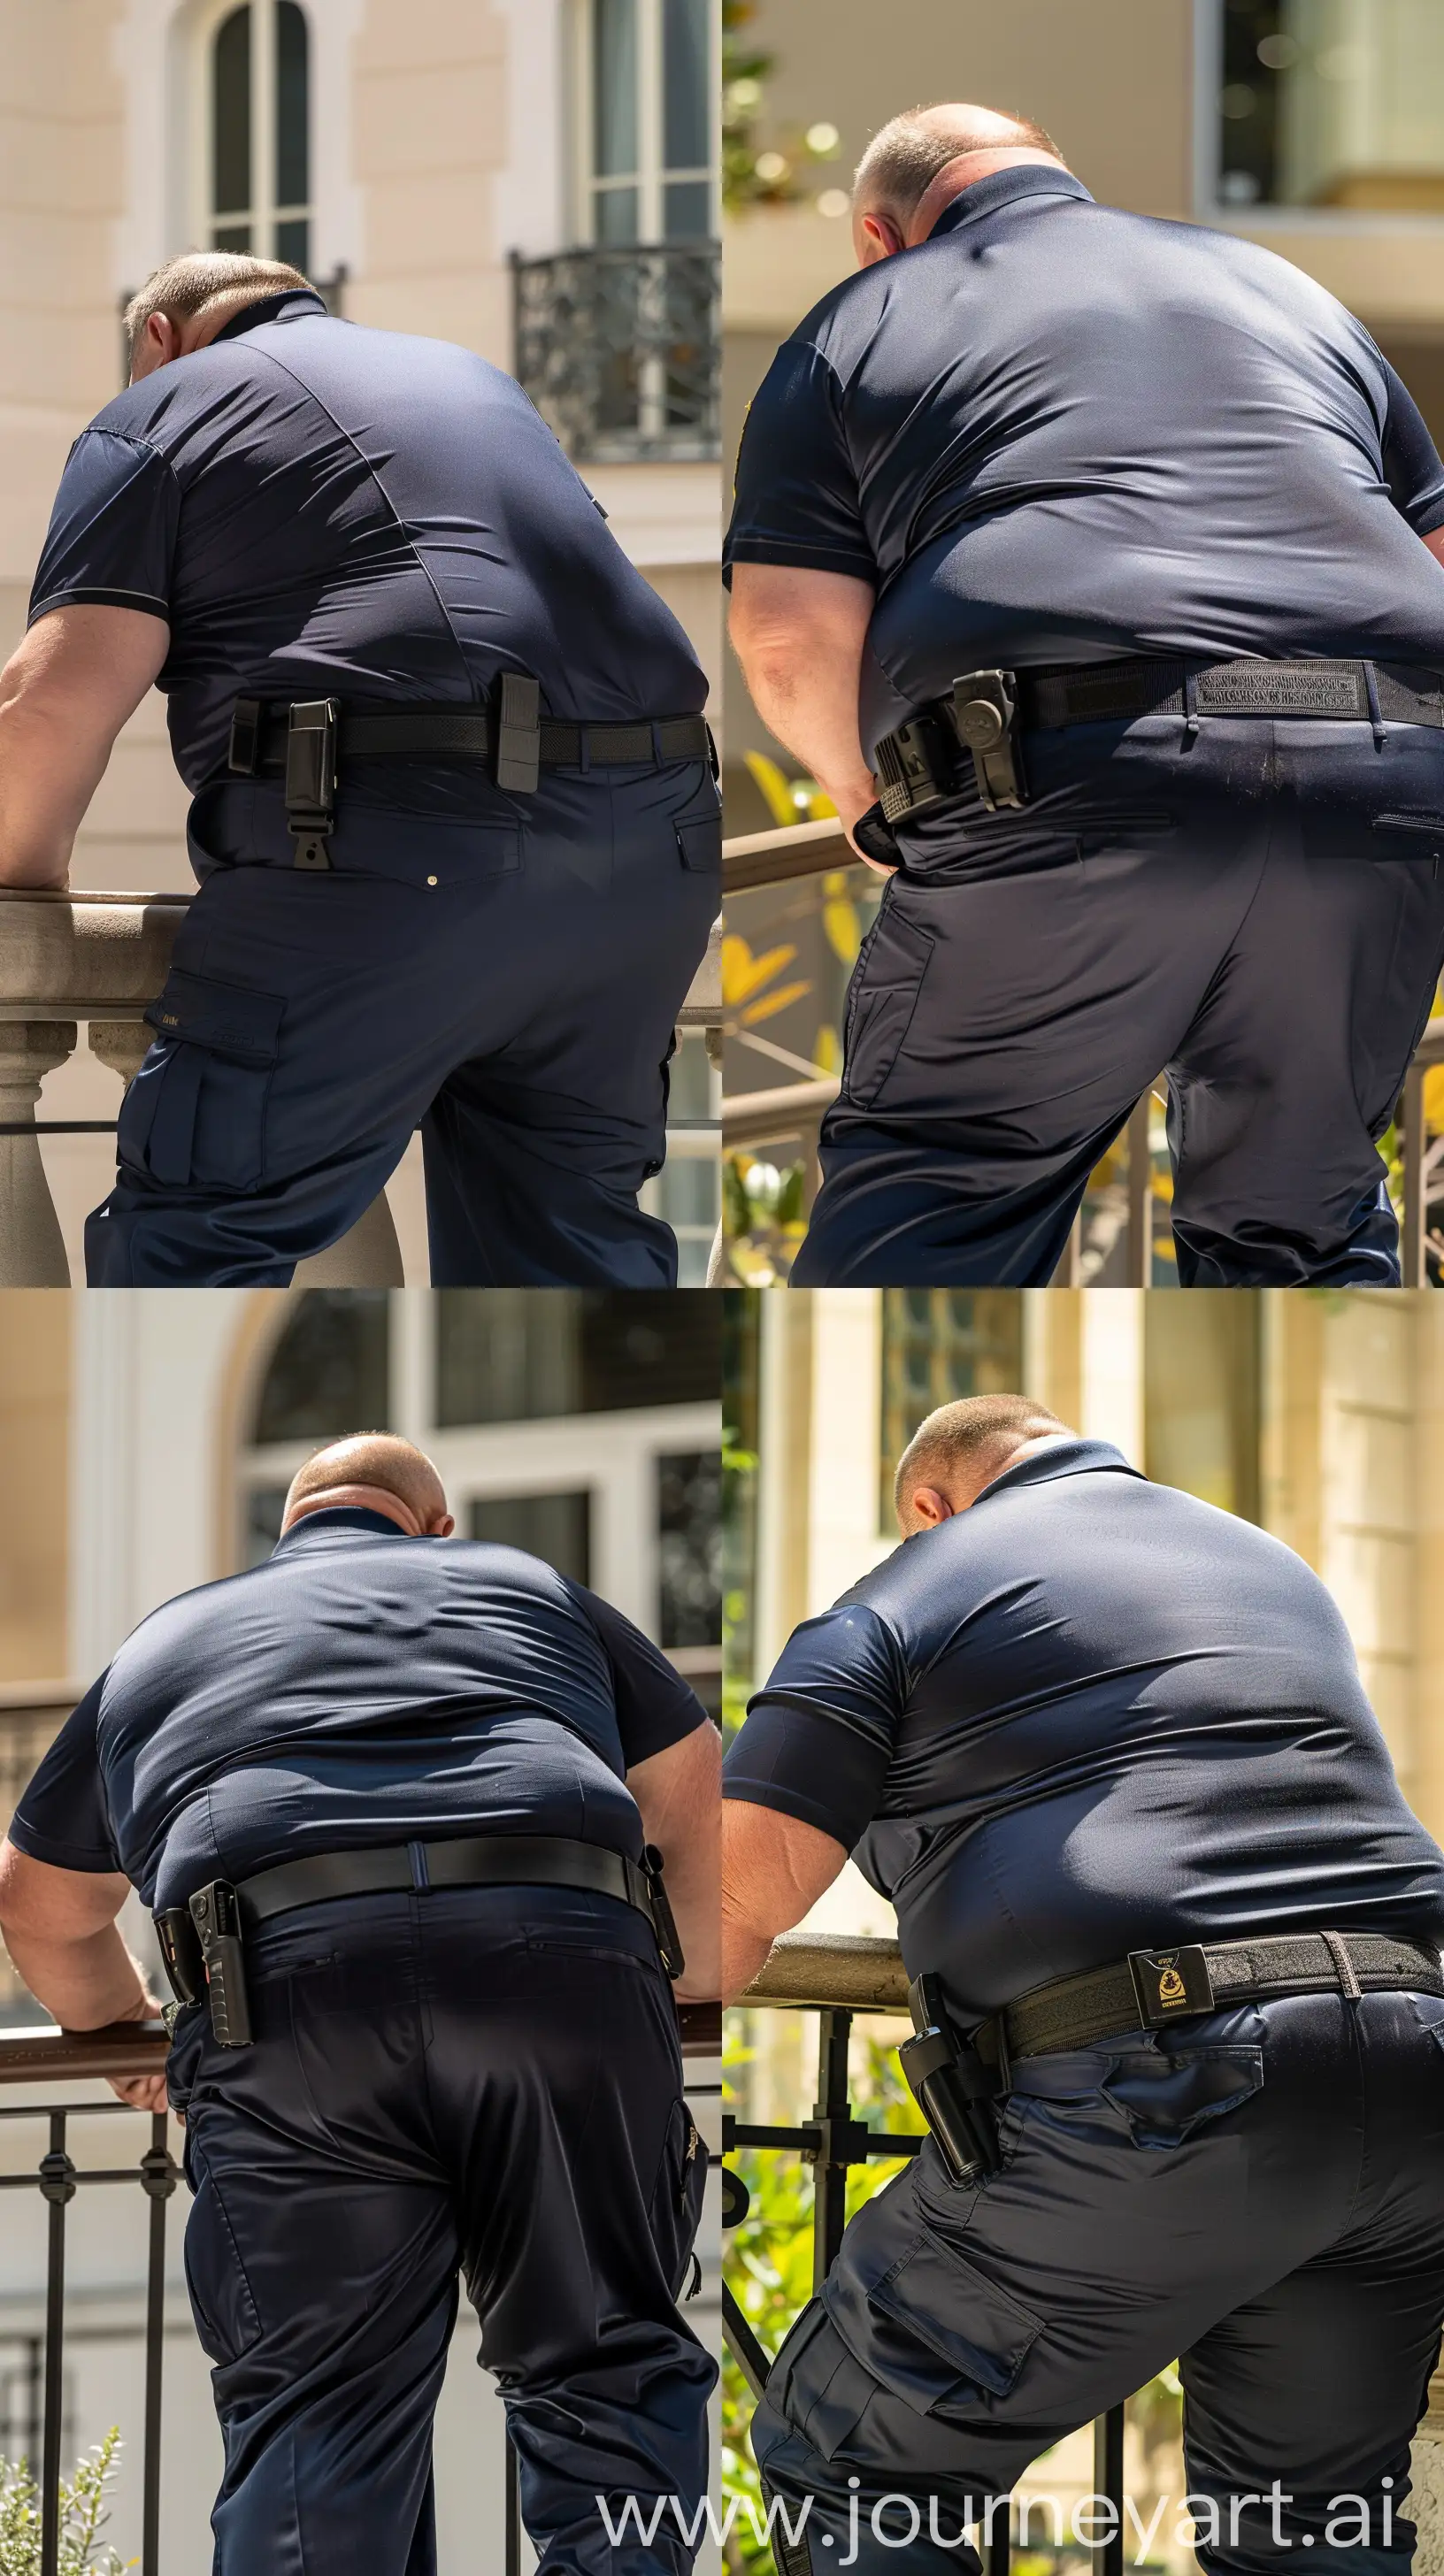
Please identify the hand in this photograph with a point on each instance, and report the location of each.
(142, 2092)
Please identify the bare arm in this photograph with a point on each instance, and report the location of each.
(60, 1930)
(774, 1868)
(679, 1792)
(798, 635)
(65, 692)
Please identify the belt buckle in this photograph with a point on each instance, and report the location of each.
(1170, 1983)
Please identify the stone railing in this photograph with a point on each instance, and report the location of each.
(101, 959)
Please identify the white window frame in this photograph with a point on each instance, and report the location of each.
(263, 213)
(651, 175)
(1259, 218)
(612, 1456)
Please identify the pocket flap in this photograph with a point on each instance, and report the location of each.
(228, 1018)
(960, 2328)
(699, 841)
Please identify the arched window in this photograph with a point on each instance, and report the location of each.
(259, 194)
(580, 1424)
(650, 83)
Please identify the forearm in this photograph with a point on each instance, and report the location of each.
(45, 787)
(693, 1881)
(774, 1868)
(808, 698)
(745, 1949)
(84, 1982)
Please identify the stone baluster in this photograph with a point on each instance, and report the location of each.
(32, 1251)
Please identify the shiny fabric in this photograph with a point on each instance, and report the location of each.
(506, 979)
(1262, 2194)
(360, 1688)
(319, 510)
(1089, 1715)
(1256, 906)
(478, 2081)
(1057, 431)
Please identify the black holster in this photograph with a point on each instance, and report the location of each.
(951, 2085)
(215, 1914)
(663, 1920)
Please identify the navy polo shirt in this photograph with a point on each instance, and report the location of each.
(1055, 432)
(320, 510)
(1089, 1715)
(361, 1687)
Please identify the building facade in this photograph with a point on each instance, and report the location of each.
(535, 179)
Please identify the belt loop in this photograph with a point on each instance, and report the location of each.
(1190, 702)
(1377, 721)
(584, 750)
(1337, 1948)
(420, 1874)
(659, 758)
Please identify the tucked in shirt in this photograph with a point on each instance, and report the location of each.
(322, 510)
(1056, 432)
(359, 1688)
(1090, 1715)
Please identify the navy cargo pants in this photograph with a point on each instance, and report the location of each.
(1254, 905)
(502, 972)
(482, 2081)
(1262, 2195)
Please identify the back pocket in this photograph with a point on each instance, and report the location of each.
(196, 1111)
(881, 1004)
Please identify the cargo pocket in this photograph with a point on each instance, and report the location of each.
(196, 1110)
(946, 2338)
(677, 2194)
(881, 1003)
(699, 840)
(227, 2319)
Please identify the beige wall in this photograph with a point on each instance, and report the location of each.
(34, 1484)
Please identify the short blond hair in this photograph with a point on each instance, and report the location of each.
(183, 287)
(905, 156)
(958, 1437)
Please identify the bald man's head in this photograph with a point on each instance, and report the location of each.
(374, 1471)
(917, 164)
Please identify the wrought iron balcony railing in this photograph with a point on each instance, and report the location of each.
(1122, 1234)
(102, 959)
(620, 349)
(46, 2055)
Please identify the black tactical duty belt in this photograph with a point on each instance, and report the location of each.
(973, 737)
(1151, 1988)
(260, 733)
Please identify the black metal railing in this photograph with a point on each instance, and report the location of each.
(793, 1112)
(837, 1976)
(620, 349)
(48, 2055)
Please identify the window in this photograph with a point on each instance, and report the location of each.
(526, 1354)
(649, 85)
(259, 159)
(1201, 1396)
(555, 1527)
(1331, 103)
(938, 1344)
(580, 1425)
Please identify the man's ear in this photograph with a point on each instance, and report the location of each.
(881, 239)
(930, 1506)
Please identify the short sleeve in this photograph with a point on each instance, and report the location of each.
(655, 1707)
(818, 1740)
(62, 1816)
(1412, 468)
(112, 531)
(797, 496)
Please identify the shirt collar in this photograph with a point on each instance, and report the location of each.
(1061, 1458)
(985, 196)
(345, 1517)
(287, 307)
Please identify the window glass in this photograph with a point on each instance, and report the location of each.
(617, 215)
(1333, 103)
(231, 127)
(516, 1355)
(614, 87)
(293, 186)
(265, 1505)
(687, 209)
(1201, 1389)
(329, 1373)
(555, 1527)
(938, 1344)
(686, 91)
(689, 1548)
